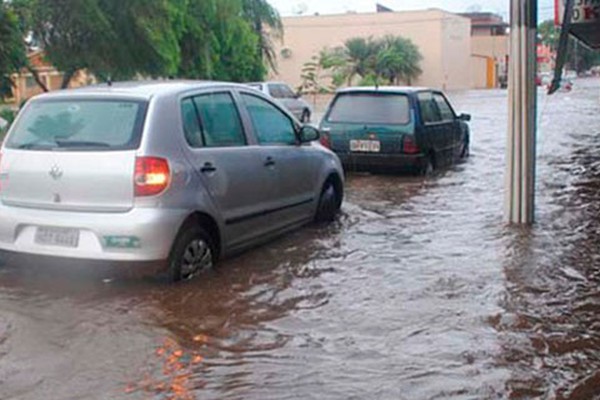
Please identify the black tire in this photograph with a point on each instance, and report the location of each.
(466, 151)
(305, 118)
(428, 168)
(329, 203)
(192, 252)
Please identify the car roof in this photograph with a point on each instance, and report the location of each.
(267, 83)
(385, 89)
(141, 89)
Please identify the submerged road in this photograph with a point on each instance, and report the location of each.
(419, 291)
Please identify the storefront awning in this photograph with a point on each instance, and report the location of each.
(580, 18)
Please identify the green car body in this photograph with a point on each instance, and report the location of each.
(394, 129)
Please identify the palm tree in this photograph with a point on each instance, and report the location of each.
(398, 60)
(361, 54)
(266, 22)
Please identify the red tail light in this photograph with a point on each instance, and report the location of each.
(409, 146)
(152, 176)
(325, 140)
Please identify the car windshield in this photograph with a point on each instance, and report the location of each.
(79, 124)
(371, 108)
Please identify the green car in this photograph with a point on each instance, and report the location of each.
(394, 129)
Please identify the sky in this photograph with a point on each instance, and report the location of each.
(309, 7)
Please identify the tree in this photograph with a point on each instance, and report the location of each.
(397, 60)
(12, 47)
(107, 37)
(391, 60)
(361, 54)
(218, 44)
(262, 15)
(579, 57)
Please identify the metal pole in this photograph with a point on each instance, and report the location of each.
(521, 150)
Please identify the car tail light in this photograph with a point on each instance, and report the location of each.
(325, 140)
(409, 146)
(152, 176)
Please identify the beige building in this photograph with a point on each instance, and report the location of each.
(452, 58)
(489, 49)
(25, 85)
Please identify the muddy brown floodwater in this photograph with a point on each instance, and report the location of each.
(419, 291)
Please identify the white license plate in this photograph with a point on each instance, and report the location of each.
(63, 237)
(365, 146)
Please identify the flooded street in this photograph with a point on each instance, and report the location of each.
(418, 291)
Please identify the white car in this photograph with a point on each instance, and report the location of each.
(287, 97)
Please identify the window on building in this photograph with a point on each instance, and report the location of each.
(30, 82)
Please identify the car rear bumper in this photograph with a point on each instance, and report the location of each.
(363, 162)
(138, 235)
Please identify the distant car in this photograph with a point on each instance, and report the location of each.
(394, 129)
(287, 97)
(179, 171)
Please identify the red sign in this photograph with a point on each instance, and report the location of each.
(584, 11)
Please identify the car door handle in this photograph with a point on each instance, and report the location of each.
(269, 162)
(208, 167)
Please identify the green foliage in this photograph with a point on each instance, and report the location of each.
(579, 57)
(218, 44)
(389, 60)
(12, 48)
(261, 15)
(9, 116)
(199, 39)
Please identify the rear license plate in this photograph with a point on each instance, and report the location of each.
(63, 237)
(365, 146)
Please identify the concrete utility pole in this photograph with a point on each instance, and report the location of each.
(521, 151)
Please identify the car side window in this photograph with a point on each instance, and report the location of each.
(221, 123)
(275, 91)
(271, 125)
(430, 114)
(191, 123)
(445, 110)
(286, 92)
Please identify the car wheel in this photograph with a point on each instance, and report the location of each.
(193, 252)
(429, 167)
(329, 203)
(305, 117)
(466, 152)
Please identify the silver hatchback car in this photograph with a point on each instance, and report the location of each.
(184, 172)
(286, 97)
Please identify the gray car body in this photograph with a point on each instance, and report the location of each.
(244, 200)
(294, 103)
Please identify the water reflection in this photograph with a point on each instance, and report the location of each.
(418, 292)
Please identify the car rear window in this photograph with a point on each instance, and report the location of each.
(370, 108)
(79, 124)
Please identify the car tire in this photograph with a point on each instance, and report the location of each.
(329, 203)
(305, 118)
(428, 168)
(466, 151)
(193, 252)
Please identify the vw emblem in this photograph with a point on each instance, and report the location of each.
(55, 172)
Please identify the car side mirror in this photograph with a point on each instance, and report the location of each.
(464, 117)
(309, 133)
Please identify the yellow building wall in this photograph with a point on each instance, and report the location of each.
(430, 31)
